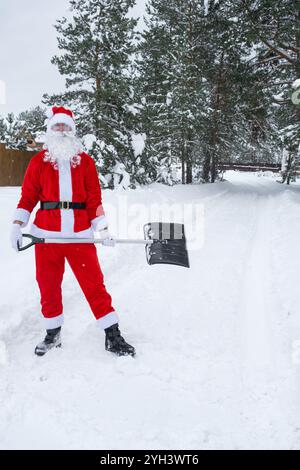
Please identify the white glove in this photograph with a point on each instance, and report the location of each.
(16, 236)
(108, 240)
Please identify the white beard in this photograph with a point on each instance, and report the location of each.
(62, 146)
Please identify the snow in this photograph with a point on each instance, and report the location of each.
(40, 137)
(88, 141)
(121, 176)
(218, 345)
(284, 159)
(138, 143)
(296, 84)
(206, 7)
(169, 98)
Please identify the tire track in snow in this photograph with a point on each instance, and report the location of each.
(268, 378)
(257, 350)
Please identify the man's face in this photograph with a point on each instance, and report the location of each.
(61, 127)
(61, 142)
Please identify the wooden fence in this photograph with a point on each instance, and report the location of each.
(13, 164)
(275, 167)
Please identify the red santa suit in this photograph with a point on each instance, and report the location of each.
(73, 182)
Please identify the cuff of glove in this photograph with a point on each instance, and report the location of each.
(99, 223)
(22, 215)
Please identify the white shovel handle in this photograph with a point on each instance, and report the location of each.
(37, 240)
(95, 240)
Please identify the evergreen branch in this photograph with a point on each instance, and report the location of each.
(264, 40)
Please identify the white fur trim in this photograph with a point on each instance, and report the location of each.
(55, 322)
(59, 119)
(39, 232)
(99, 223)
(108, 320)
(22, 215)
(66, 194)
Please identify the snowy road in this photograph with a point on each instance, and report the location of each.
(218, 345)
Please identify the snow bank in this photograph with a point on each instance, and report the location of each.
(217, 344)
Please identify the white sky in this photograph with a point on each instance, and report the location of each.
(27, 44)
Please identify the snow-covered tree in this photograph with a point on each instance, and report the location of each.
(224, 71)
(170, 86)
(194, 86)
(3, 130)
(15, 133)
(273, 29)
(289, 166)
(15, 130)
(34, 121)
(211, 83)
(96, 47)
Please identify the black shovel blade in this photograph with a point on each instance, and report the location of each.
(169, 245)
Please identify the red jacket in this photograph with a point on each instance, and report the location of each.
(42, 182)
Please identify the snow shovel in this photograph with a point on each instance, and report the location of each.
(165, 243)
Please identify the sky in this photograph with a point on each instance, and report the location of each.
(27, 44)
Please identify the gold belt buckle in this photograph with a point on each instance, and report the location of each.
(67, 204)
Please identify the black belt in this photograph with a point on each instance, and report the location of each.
(61, 205)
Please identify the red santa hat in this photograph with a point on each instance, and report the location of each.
(60, 115)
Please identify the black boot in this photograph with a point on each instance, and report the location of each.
(52, 340)
(115, 343)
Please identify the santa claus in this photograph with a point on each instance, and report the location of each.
(64, 180)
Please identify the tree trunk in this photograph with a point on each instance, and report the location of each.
(98, 103)
(189, 172)
(206, 167)
(189, 158)
(214, 130)
(182, 165)
(213, 169)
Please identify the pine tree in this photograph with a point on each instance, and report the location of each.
(170, 87)
(3, 130)
(273, 29)
(15, 133)
(96, 58)
(34, 122)
(16, 130)
(191, 74)
(239, 123)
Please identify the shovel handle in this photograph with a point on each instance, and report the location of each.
(37, 240)
(34, 241)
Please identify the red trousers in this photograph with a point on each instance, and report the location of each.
(83, 260)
